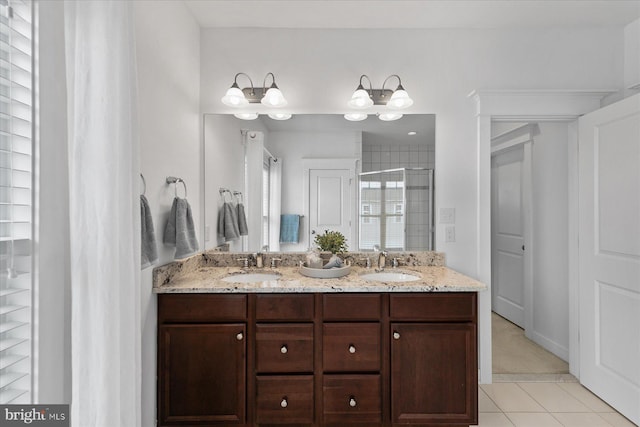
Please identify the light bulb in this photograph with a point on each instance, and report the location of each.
(234, 97)
(390, 116)
(246, 116)
(280, 116)
(360, 99)
(355, 117)
(274, 97)
(400, 99)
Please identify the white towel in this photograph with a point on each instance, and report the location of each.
(149, 251)
(180, 230)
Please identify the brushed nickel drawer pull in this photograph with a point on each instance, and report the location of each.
(284, 349)
(352, 348)
(352, 402)
(240, 336)
(284, 402)
(396, 335)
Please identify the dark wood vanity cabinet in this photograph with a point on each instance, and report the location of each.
(313, 360)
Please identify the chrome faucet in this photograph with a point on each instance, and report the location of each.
(382, 259)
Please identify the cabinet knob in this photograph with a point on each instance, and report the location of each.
(352, 402)
(284, 402)
(284, 349)
(396, 335)
(240, 336)
(352, 349)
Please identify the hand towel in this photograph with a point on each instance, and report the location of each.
(289, 228)
(180, 230)
(149, 252)
(228, 222)
(242, 220)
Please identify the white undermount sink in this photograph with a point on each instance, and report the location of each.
(389, 276)
(251, 278)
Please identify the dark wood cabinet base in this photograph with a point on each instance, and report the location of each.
(314, 360)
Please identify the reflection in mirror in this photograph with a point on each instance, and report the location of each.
(370, 180)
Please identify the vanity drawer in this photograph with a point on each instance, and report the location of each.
(343, 307)
(284, 399)
(284, 348)
(449, 307)
(199, 308)
(284, 307)
(351, 347)
(352, 399)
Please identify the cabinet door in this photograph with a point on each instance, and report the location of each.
(434, 373)
(202, 374)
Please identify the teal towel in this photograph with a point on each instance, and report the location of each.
(289, 228)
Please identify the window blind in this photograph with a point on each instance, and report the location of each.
(16, 195)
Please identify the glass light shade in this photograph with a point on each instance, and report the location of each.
(274, 98)
(360, 99)
(390, 116)
(234, 97)
(355, 117)
(280, 116)
(399, 100)
(246, 116)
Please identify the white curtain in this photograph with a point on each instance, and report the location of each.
(104, 214)
(275, 203)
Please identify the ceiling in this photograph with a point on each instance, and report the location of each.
(399, 14)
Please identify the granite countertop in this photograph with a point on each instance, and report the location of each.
(198, 275)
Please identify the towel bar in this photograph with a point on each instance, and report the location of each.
(174, 180)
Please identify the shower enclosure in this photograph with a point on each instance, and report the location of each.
(396, 209)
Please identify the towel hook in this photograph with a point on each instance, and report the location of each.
(238, 195)
(174, 180)
(223, 192)
(144, 184)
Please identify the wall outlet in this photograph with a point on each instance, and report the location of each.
(450, 234)
(447, 215)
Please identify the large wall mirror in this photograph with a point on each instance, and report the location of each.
(371, 180)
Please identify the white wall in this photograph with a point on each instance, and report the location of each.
(52, 296)
(292, 147)
(168, 56)
(550, 184)
(318, 70)
(632, 55)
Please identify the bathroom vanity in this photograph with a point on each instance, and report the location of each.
(316, 352)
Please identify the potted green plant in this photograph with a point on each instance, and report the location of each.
(332, 241)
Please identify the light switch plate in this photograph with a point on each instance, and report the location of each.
(447, 215)
(450, 234)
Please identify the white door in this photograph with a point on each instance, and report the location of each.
(507, 240)
(330, 202)
(609, 254)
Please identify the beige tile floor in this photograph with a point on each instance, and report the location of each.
(544, 404)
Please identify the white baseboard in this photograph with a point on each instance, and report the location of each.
(559, 350)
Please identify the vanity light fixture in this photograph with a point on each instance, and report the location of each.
(271, 96)
(393, 99)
